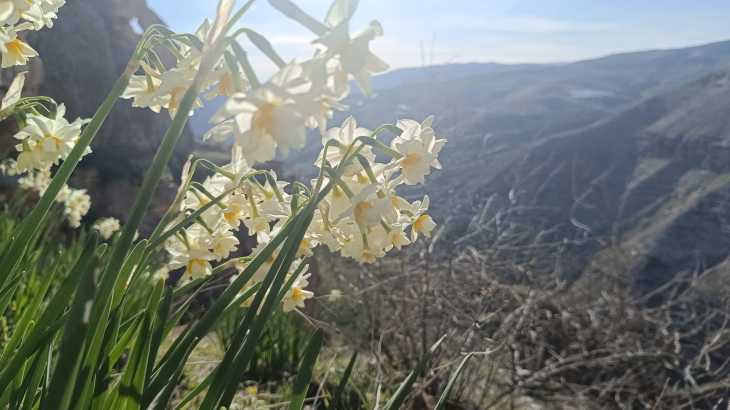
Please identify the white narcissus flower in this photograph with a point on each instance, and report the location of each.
(419, 147)
(395, 237)
(224, 84)
(235, 210)
(173, 86)
(55, 137)
(106, 227)
(195, 260)
(421, 223)
(345, 136)
(357, 250)
(271, 116)
(222, 243)
(353, 56)
(10, 10)
(198, 265)
(424, 224)
(14, 51)
(31, 156)
(295, 298)
(142, 89)
(366, 209)
(76, 205)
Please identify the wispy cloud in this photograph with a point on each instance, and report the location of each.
(534, 24)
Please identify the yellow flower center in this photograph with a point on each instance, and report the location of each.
(361, 208)
(418, 225)
(195, 262)
(174, 100)
(14, 47)
(411, 160)
(296, 294)
(368, 256)
(225, 84)
(265, 119)
(58, 142)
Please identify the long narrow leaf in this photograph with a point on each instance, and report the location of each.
(52, 311)
(404, 389)
(445, 394)
(343, 383)
(301, 385)
(158, 329)
(72, 343)
(164, 398)
(132, 384)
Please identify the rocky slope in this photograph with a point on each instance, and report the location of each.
(81, 58)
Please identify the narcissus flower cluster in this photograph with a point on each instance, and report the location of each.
(106, 227)
(17, 16)
(361, 215)
(44, 140)
(76, 203)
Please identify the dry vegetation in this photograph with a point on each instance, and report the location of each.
(543, 340)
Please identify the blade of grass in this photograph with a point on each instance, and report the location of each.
(343, 383)
(158, 329)
(72, 342)
(445, 394)
(47, 319)
(164, 399)
(404, 389)
(301, 385)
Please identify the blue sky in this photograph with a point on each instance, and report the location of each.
(507, 31)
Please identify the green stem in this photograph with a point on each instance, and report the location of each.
(340, 183)
(156, 61)
(233, 68)
(274, 187)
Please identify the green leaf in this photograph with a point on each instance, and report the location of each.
(123, 342)
(44, 324)
(343, 383)
(164, 399)
(72, 343)
(131, 386)
(28, 315)
(404, 389)
(210, 317)
(196, 391)
(31, 393)
(299, 391)
(445, 394)
(133, 259)
(263, 44)
(292, 11)
(245, 65)
(158, 328)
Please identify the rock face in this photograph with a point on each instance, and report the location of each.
(81, 58)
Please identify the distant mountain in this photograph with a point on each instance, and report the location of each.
(513, 107)
(403, 77)
(634, 147)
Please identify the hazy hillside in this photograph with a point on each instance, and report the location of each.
(631, 145)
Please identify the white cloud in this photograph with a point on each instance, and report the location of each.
(525, 24)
